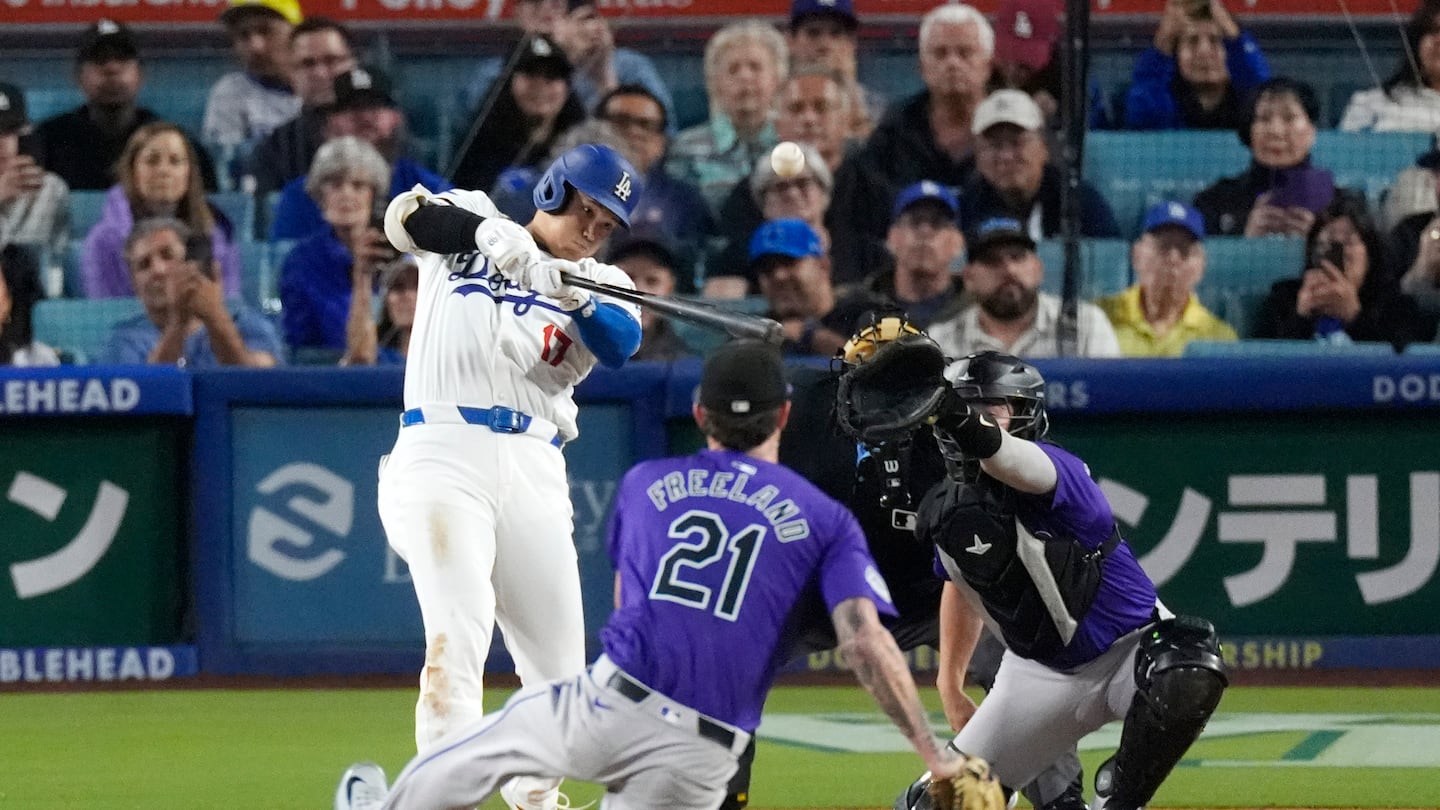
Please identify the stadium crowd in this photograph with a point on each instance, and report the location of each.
(249, 237)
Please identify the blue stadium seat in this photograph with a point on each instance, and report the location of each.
(239, 208)
(1134, 170)
(85, 209)
(1239, 273)
(1423, 349)
(701, 340)
(1104, 262)
(1282, 348)
(81, 326)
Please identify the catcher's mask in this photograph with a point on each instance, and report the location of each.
(994, 376)
(868, 339)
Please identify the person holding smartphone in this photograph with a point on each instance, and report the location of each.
(187, 321)
(1346, 292)
(34, 203)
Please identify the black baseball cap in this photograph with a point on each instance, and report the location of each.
(997, 231)
(640, 243)
(361, 88)
(13, 117)
(106, 40)
(540, 56)
(743, 377)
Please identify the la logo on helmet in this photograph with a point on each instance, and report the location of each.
(622, 188)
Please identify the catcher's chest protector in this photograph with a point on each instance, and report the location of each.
(1035, 589)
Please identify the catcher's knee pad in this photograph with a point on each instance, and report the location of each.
(1179, 678)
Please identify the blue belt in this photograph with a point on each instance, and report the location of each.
(498, 418)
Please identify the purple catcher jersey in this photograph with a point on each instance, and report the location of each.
(714, 552)
(1126, 599)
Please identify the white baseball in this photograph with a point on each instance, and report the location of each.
(787, 159)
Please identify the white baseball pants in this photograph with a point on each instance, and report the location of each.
(581, 728)
(484, 521)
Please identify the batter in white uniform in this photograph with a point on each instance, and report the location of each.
(474, 494)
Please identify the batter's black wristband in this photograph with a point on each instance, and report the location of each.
(443, 229)
(977, 436)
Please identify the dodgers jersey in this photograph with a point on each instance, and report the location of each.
(480, 339)
(1077, 509)
(719, 549)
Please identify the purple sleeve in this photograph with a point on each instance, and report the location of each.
(847, 570)
(1077, 504)
(228, 253)
(102, 265)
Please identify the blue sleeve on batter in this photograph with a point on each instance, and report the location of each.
(611, 333)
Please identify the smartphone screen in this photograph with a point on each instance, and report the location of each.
(198, 249)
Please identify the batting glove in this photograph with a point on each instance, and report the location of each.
(511, 248)
(571, 298)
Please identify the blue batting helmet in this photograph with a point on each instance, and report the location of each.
(597, 170)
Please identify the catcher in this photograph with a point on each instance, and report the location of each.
(881, 482)
(1033, 551)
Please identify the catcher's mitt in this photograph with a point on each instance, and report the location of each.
(973, 788)
(893, 391)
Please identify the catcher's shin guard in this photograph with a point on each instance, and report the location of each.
(1179, 678)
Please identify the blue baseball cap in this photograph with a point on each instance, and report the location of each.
(792, 238)
(1175, 213)
(925, 190)
(843, 10)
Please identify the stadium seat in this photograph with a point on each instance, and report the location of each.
(239, 208)
(1239, 273)
(1423, 349)
(1105, 263)
(85, 209)
(1282, 348)
(701, 340)
(80, 326)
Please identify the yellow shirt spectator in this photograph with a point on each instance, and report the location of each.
(1138, 338)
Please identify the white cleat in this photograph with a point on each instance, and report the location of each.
(361, 788)
(530, 793)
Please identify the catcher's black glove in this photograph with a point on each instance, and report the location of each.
(891, 394)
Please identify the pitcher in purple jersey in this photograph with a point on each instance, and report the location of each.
(714, 552)
(1032, 550)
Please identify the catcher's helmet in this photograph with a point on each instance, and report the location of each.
(992, 375)
(597, 170)
(868, 339)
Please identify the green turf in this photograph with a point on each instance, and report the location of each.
(285, 749)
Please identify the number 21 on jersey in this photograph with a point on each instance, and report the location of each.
(711, 541)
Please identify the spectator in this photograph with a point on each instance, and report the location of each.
(1026, 57)
(246, 105)
(534, 109)
(1014, 177)
(1159, 314)
(34, 203)
(320, 51)
(316, 281)
(363, 108)
(533, 17)
(1281, 192)
(824, 36)
(157, 179)
(386, 343)
(1346, 292)
(789, 259)
(1198, 74)
(673, 207)
(805, 196)
(651, 264)
(925, 243)
(812, 109)
(83, 145)
(19, 290)
(928, 135)
(1008, 313)
(1414, 244)
(1408, 101)
(600, 67)
(186, 321)
(745, 62)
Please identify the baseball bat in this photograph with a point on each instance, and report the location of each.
(709, 316)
